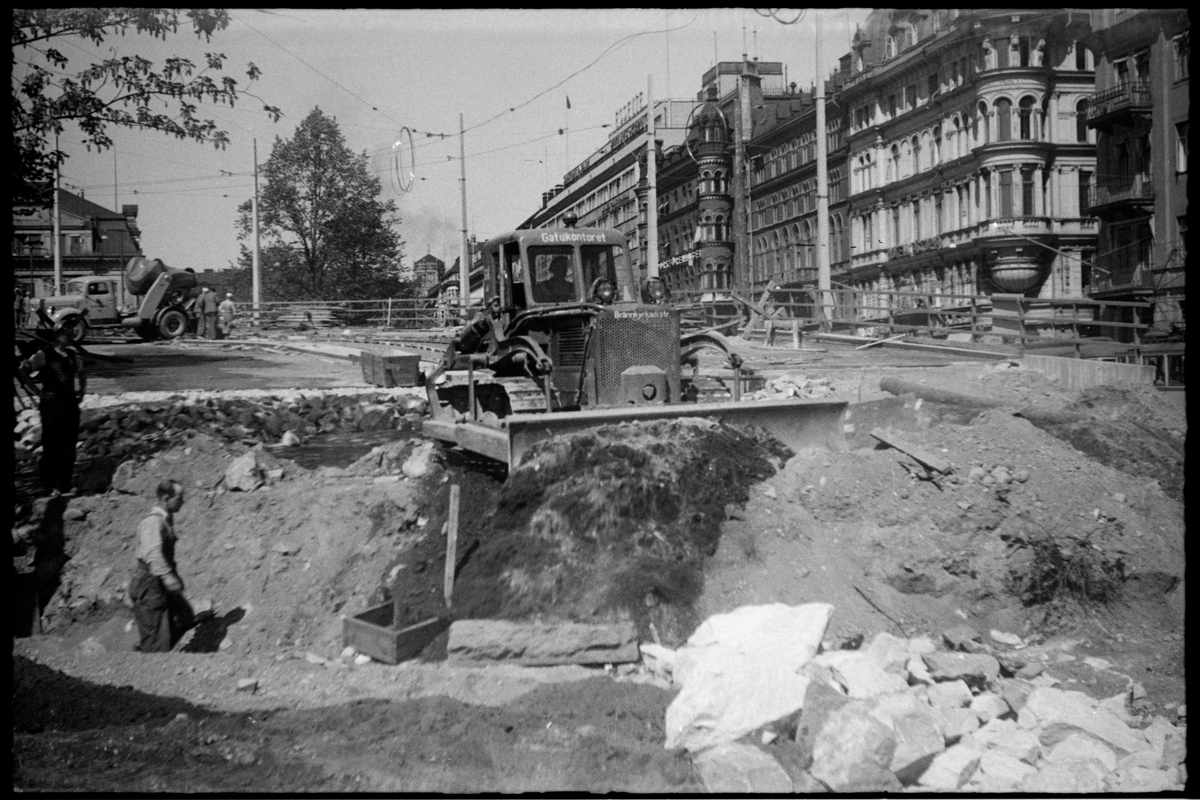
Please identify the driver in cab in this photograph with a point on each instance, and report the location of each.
(558, 287)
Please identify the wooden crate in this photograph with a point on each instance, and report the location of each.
(391, 368)
(371, 632)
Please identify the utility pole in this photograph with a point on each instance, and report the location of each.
(464, 267)
(57, 229)
(651, 186)
(256, 296)
(824, 280)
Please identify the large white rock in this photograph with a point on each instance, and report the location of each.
(950, 694)
(950, 769)
(244, 474)
(1056, 714)
(975, 668)
(1142, 780)
(736, 768)
(957, 723)
(860, 675)
(1000, 772)
(852, 743)
(1081, 746)
(740, 670)
(420, 461)
(988, 706)
(917, 730)
(1005, 736)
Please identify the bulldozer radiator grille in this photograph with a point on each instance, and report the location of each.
(568, 346)
(647, 336)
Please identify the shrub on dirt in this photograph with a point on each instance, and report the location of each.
(1058, 565)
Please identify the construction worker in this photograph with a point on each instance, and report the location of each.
(206, 307)
(162, 613)
(58, 368)
(227, 310)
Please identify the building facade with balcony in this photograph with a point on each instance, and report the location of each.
(969, 157)
(93, 240)
(1139, 114)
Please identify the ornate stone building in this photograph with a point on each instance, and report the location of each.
(1139, 115)
(970, 163)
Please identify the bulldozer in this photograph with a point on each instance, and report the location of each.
(568, 339)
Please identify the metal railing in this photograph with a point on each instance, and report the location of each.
(1132, 94)
(1135, 187)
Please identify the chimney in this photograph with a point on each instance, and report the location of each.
(130, 211)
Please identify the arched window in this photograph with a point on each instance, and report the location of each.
(926, 159)
(936, 152)
(836, 245)
(1081, 128)
(806, 240)
(981, 125)
(906, 161)
(1026, 112)
(892, 47)
(788, 264)
(870, 168)
(1003, 120)
(954, 141)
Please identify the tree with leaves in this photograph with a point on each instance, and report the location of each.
(324, 232)
(123, 90)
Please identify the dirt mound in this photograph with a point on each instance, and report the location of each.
(612, 523)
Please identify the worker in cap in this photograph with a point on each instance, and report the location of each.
(227, 311)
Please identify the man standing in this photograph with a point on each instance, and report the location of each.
(206, 307)
(163, 614)
(227, 310)
(58, 369)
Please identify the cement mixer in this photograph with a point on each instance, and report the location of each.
(151, 298)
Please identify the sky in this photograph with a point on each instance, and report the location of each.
(509, 73)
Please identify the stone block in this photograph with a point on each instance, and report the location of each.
(860, 675)
(950, 694)
(917, 671)
(1056, 714)
(1000, 772)
(736, 768)
(1142, 780)
(977, 669)
(1004, 736)
(1081, 746)
(850, 742)
(1146, 759)
(988, 706)
(919, 739)
(821, 699)
(959, 636)
(1014, 691)
(887, 651)
(542, 643)
(244, 474)
(957, 723)
(1166, 740)
(1051, 779)
(951, 768)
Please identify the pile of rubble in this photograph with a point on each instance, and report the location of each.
(786, 386)
(898, 713)
(137, 428)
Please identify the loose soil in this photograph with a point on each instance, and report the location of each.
(661, 524)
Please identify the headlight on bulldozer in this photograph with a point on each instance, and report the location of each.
(603, 291)
(654, 291)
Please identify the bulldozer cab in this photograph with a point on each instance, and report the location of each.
(527, 269)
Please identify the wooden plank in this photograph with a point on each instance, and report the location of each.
(932, 462)
(451, 546)
(880, 341)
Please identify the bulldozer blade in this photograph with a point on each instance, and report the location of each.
(799, 424)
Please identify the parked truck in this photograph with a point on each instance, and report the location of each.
(150, 298)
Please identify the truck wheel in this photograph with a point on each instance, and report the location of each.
(172, 324)
(77, 327)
